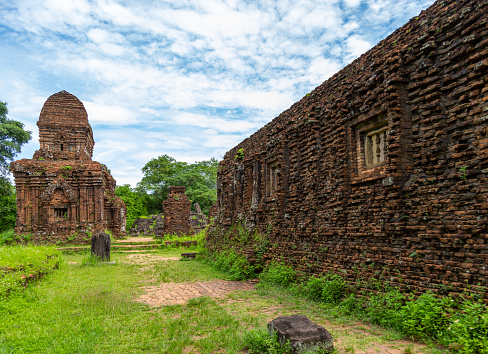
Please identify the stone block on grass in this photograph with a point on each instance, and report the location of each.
(301, 334)
(100, 246)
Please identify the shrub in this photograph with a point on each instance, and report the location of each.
(330, 288)
(278, 273)
(241, 269)
(384, 308)
(353, 304)
(469, 328)
(236, 265)
(7, 236)
(424, 317)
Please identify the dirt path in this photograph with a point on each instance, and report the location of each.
(357, 337)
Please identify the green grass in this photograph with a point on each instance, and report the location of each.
(90, 309)
(21, 264)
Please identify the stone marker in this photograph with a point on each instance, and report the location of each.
(100, 246)
(303, 335)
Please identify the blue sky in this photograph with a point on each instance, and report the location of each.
(186, 78)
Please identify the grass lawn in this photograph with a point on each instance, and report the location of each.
(91, 309)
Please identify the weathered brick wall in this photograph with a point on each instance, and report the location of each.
(176, 209)
(198, 220)
(148, 226)
(62, 194)
(420, 216)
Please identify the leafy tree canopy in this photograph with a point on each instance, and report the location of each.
(12, 137)
(135, 202)
(8, 206)
(199, 178)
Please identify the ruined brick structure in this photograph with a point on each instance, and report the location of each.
(148, 226)
(383, 168)
(198, 220)
(176, 209)
(61, 192)
(212, 213)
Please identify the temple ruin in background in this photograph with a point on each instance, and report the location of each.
(61, 192)
(176, 210)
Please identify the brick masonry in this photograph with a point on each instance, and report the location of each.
(176, 209)
(418, 215)
(61, 193)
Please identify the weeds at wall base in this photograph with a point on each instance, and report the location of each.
(458, 323)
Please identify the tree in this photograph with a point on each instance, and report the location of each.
(199, 178)
(12, 137)
(8, 205)
(134, 201)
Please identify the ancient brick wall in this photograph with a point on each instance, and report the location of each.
(381, 169)
(61, 193)
(148, 226)
(212, 213)
(176, 209)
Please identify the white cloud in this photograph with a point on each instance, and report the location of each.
(352, 3)
(189, 78)
(106, 114)
(355, 46)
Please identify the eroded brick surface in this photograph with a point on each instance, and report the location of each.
(176, 209)
(61, 192)
(383, 168)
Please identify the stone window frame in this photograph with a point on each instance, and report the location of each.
(374, 146)
(61, 211)
(359, 131)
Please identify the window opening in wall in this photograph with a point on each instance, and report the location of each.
(375, 147)
(272, 177)
(61, 212)
(61, 147)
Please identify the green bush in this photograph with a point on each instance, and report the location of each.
(330, 288)
(353, 304)
(424, 317)
(7, 236)
(278, 273)
(469, 328)
(384, 308)
(241, 269)
(236, 265)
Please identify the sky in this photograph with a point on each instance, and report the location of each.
(185, 78)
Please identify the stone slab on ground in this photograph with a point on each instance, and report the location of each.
(100, 246)
(302, 334)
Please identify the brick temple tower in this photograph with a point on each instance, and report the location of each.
(61, 192)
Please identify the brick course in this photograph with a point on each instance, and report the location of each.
(420, 216)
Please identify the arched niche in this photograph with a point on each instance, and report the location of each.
(59, 204)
